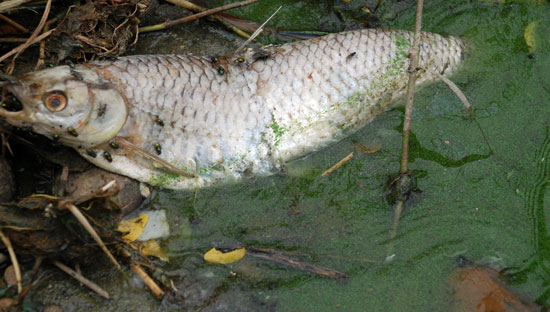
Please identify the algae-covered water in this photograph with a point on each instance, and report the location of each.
(488, 208)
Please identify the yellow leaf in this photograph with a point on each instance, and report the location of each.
(133, 227)
(216, 256)
(529, 35)
(152, 248)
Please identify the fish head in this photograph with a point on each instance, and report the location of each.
(71, 104)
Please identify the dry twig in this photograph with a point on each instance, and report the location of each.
(195, 16)
(286, 260)
(23, 47)
(413, 65)
(10, 4)
(462, 97)
(195, 8)
(257, 32)
(337, 165)
(33, 36)
(155, 289)
(13, 23)
(82, 219)
(14, 261)
(13, 40)
(93, 286)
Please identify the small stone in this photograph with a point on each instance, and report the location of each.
(9, 275)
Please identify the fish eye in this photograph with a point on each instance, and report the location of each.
(55, 101)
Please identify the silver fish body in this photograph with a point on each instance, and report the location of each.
(187, 121)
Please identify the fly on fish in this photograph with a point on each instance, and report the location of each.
(182, 121)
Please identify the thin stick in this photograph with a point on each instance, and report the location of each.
(286, 260)
(398, 209)
(462, 97)
(82, 219)
(413, 65)
(22, 47)
(193, 7)
(14, 261)
(107, 186)
(195, 16)
(457, 91)
(93, 286)
(42, 53)
(257, 32)
(35, 33)
(13, 40)
(337, 165)
(13, 23)
(6, 5)
(155, 289)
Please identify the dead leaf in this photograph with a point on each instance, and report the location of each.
(152, 248)
(529, 35)
(216, 256)
(133, 227)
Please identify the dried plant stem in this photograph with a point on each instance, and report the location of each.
(42, 53)
(14, 261)
(13, 23)
(398, 209)
(195, 8)
(22, 47)
(155, 289)
(35, 33)
(413, 65)
(9, 4)
(257, 32)
(82, 219)
(337, 165)
(13, 40)
(194, 16)
(93, 286)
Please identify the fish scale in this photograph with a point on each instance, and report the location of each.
(249, 114)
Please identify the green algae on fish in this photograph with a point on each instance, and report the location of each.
(270, 106)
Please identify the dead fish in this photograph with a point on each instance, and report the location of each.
(182, 121)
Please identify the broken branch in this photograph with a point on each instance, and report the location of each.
(195, 8)
(195, 16)
(337, 165)
(93, 286)
(14, 261)
(82, 219)
(155, 289)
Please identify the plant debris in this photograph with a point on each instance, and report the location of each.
(103, 28)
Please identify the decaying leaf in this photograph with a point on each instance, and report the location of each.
(529, 35)
(368, 148)
(216, 256)
(133, 227)
(152, 248)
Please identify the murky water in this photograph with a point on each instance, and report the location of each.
(491, 209)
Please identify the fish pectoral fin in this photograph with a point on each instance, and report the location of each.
(155, 161)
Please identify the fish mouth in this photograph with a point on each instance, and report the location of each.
(10, 106)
